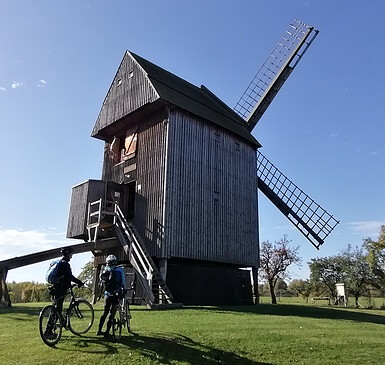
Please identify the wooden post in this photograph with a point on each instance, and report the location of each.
(254, 271)
(163, 272)
(5, 299)
(95, 288)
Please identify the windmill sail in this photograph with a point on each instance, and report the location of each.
(314, 222)
(274, 72)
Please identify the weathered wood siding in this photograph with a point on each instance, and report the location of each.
(211, 196)
(82, 194)
(150, 178)
(129, 91)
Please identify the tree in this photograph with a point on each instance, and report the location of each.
(302, 288)
(274, 262)
(87, 274)
(359, 276)
(28, 292)
(376, 256)
(328, 270)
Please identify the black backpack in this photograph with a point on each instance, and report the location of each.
(112, 281)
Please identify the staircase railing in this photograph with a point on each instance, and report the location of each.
(102, 214)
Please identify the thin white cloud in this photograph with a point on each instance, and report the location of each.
(42, 83)
(17, 242)
(285, 227)
(2, 88)
(16, 84)
(367, 228)
(376, 152)
(334, 134)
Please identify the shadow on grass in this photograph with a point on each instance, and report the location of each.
(86, 344)
(302, 311)
(160, 348)
(165, 349)
(15, 312)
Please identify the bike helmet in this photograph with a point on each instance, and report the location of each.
(66, 251)
(111, 260)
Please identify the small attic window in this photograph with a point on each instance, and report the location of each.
(119, 82)
(131, 74)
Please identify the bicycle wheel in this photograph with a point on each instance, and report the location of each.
(50, 325)
(117, 324)
(80, 317)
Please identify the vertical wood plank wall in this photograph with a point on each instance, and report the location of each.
(201, 205)
(150, 177)
(211, 196)
(149, 200)
(80, 197)
(129, 91)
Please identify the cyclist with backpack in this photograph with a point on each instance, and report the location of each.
(63, 277)
(113, 278)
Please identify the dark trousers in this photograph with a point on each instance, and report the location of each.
(60, 294)
(110, 306)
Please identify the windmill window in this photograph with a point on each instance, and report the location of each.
(131, 74)
(119, 81)
(237, 146)
(124, 148)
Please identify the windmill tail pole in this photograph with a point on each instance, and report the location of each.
(37, 257)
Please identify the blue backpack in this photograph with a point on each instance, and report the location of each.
(51, 275)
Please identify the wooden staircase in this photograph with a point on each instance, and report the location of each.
(107, 214)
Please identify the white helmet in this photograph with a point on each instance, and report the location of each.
(111, 260)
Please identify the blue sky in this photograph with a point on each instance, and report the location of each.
(324, 130)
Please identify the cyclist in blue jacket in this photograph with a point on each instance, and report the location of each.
(114, 281)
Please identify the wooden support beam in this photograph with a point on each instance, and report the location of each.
(96, 288)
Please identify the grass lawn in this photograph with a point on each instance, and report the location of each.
(250, 335)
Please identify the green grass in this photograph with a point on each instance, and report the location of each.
(250, 335)
(375, 303)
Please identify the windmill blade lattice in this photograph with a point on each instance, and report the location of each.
(314, 222)
(274, 72)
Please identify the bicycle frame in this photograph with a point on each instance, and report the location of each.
(70, 306)
(121, 318)
(78, 318)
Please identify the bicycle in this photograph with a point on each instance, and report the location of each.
(122, 318)
(78, 318)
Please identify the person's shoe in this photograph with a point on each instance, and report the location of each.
(51, 336)
(100, 333)
(107, 335)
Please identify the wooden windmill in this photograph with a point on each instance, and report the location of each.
(177, 200)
